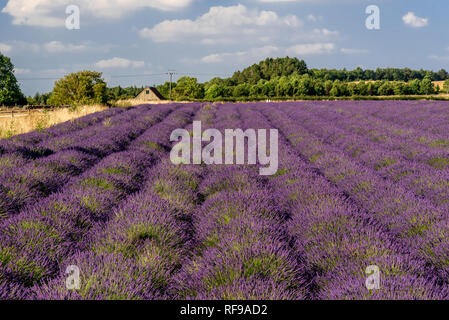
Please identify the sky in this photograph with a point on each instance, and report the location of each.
(136, 42)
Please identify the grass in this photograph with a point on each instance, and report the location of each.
(135, 102)
(439, 163)
(27, 121)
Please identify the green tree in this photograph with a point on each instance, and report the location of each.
(335, 91)
(255, 91)
(164, 89)
(362, 88)
(386, 89)
(284, 87)
(318, 87)
(426, 86)
(188, 87)
(10, 93)
(305, 86)
(353, 89)
(100, 95)
(371, 89)
(399, 88)
(446, 86)
(242, 90)
(328, 85)
(84, 87)
(414, 87)
(269, 69)
(214, 91)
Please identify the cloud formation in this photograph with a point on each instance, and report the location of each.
(20, 71)
(59, 47)
(52, 47)
(119, 63)
(311, 49)
(224, 25)
(5, 48)
(259, 53)
(248, 55)
(353, 51)
(51, 13)
(414, 21)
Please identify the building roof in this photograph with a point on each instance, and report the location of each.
(153, 91)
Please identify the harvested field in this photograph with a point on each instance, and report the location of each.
(21, 121)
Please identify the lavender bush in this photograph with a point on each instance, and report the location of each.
(359, 184)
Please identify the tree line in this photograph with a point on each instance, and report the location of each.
(84, 87)
(296, 86)
(271, 78)
(272, 68)
(290, 77)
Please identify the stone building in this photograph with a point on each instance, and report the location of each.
(150, 94)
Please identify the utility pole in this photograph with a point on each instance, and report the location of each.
(171, 73)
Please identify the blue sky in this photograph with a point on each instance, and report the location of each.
(126, 39)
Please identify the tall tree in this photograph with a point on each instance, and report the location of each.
(84, 87)
(10, 93)
(270, 69)
(188, 87)
(446, 86)
(427, 86)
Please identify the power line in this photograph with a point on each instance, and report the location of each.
(207, 74)
(107, 76)
(137, 75)
(33, 79)
(171, 73)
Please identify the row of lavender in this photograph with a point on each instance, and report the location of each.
(135, 252)
(415, 174)
(227, 233)
(139, 227)
(24, 180)
(336, 231)
(26, 143)
(410, 199)
(37, 239)
(254, 242)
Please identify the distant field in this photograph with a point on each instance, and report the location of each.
(23, 121)
(439, 84)
(136, 102)
(361, 186)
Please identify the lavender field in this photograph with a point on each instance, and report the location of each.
(359, 184)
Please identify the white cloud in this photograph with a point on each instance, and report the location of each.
(119, 63)
(242, 56)
(220, 57)
(312, 18)
(19, 71)
(224, 25)
(414, 21)
(52, 47)
(353, 51)
(59, 47)
(311, 49)
(5, 48)
(251, 55)
(439, 58)
(51, 13)
(24, 47)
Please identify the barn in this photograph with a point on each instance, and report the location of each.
(150, 94)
